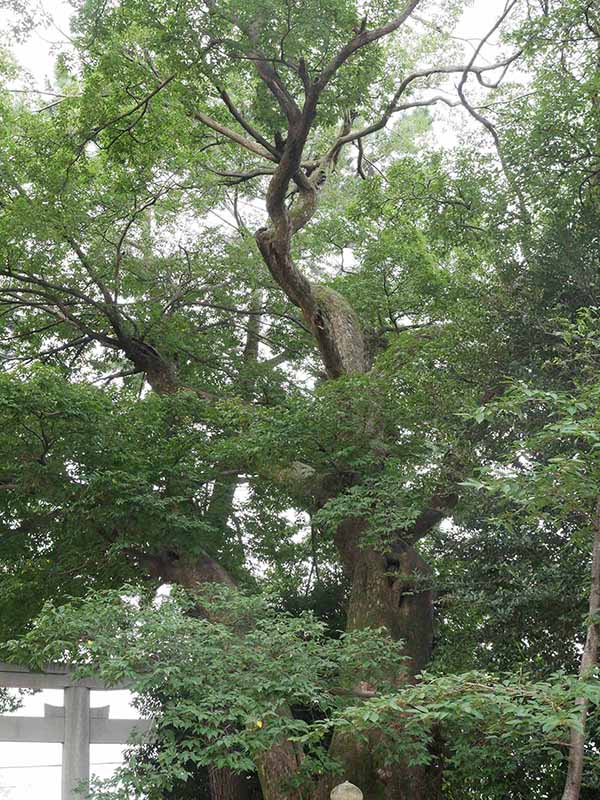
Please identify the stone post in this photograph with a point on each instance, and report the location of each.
(76, 747)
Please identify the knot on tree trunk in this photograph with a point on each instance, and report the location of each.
(161, 374)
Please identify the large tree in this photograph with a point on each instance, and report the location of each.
(231, 211)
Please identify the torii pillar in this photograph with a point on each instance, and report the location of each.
(77, 739)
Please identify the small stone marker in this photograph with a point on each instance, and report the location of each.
(346, 791)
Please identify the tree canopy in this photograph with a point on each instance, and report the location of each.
(268, 340)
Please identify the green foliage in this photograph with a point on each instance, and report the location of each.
(214, 671)
(90, 475)
(492, 723)
(161, 398)
(9, 701)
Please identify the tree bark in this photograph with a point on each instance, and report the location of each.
(226, 785)
(389, 590)
(277, 768)
(589, 660)
(386, 590)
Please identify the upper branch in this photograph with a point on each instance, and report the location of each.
(487, 124)
(250, 129)
(272, 79)
(394, 106)
(362, 38)
(469, 68)
(141, 106)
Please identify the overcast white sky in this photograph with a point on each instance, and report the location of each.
(32, 771)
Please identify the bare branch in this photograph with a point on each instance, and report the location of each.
(469, 68)
(250, 129)
(240, 177)
(236, 137)
(126, 228)
(125, 373)
(142, 104)
(477, 115)
(427, 72)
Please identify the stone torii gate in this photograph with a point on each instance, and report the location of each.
(74, 724)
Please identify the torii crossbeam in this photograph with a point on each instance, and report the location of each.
(75, 724)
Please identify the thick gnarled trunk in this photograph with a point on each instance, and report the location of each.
(391, 591)
(387, 589)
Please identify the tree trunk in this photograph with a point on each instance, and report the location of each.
(383, 591)
(226, 785)
(390, 591)
(277, 767)
(589, 660)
